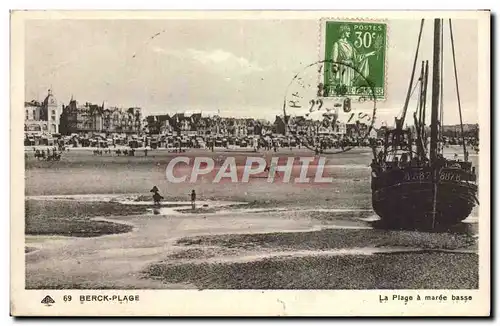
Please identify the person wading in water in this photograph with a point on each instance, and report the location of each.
(156, 195)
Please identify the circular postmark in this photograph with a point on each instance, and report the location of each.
(321, 116)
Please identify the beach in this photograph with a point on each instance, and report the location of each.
(90, 223)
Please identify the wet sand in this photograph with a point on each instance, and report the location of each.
(424, 270)
(73, 218)
(166, 251)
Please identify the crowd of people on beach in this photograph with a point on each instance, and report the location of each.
(49, 154)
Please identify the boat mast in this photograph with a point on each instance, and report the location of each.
(418, 114)
(424, 104)
(436, 79)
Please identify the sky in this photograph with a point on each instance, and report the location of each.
(239, 68)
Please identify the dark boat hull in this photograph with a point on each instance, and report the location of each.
(410, 201)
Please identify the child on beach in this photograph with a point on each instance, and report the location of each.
(193, 199)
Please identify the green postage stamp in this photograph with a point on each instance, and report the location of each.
(355, 59)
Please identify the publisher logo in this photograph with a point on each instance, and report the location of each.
(48, 301)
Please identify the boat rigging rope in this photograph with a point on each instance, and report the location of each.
(441, 102)
(458, 93)
(400, 121)
(413, 91)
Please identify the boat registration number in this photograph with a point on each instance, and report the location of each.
(422, 176)
(449, 176)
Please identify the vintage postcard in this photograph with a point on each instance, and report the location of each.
(258, 163)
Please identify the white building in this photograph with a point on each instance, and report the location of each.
(42, 118)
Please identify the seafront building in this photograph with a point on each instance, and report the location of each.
(196, 124)
(91, 118)
(41, 121)
(46, 121)
(89, 124)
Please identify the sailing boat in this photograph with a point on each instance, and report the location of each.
(412, 182)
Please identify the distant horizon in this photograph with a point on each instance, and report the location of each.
(220, 114)
(215, 112)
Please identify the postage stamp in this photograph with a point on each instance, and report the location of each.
(355, 52)
(284, 170)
